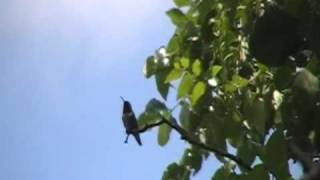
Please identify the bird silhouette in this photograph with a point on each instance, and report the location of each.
(130, 122)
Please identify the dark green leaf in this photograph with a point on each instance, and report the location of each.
(150, 67)
(162, 86)
(235, 131)
(258, 172)
(178, 18)
(192, 158)
(184, 116)
(222, 174)
(155, 106)
(147, 118)
(215, 132)
(275, 155)
(247, 152)
(176, 172)
(283, 77)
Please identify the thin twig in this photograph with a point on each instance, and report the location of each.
(186, 136)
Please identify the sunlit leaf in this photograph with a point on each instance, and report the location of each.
(185, 85)
(173, 75)
(164, 134)
(185, 62)
(196, 68)
(215, 70)
(198, 91)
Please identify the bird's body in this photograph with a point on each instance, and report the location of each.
(130, 122)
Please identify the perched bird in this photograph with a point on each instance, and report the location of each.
(130, 122)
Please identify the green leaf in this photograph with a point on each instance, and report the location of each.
(164, 134)
(215, 70)
(148, 118)
(184, 116)
(215, 132)
(197, 92)
(283, 77)
(181, 3)
(185, 62)
(229, 87)
(152, 113)
(305, 80)
(173, 75)
(176, 172)
(196, 67)
(258, 172)
(174, 44)
(162, 86)
(149, 67)
(258, 111)
(239, 81)
(222, 174)
(247, 152)
(275, 155)
(185, 85)
(235, 130)
(192, 158)
(177, 17)
(154, 105)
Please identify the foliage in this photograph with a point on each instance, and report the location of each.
(247, 75)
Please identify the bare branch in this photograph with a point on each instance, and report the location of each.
(186, 136)
(150, 126)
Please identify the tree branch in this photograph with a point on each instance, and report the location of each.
(186, 136)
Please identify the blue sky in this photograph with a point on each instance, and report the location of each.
(63, 66)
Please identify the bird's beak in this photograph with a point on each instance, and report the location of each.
(122, 99)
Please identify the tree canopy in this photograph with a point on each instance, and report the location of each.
(246, 78)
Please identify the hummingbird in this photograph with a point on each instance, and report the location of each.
(130, 121)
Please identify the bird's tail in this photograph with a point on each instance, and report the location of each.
(137, 137)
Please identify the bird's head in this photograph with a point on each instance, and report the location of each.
(126, 106)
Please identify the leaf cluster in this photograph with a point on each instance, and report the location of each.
(245, 74)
